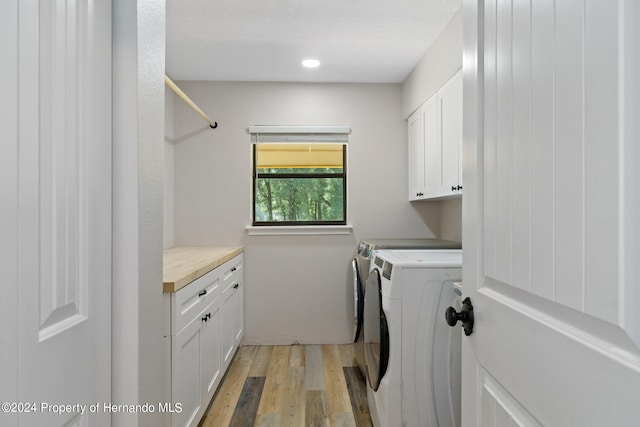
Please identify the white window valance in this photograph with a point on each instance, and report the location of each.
(270, 133)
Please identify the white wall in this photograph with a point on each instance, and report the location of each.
(168, 234)
(436, 67)
(451, 219)
(297, 287)
(138, 374)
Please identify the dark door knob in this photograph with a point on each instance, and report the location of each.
(465, 316)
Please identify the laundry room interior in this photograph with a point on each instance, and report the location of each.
(420, 213)
(298, 285)
(300, 276)
(307, 287)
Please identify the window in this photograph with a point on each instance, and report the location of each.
(299, 178)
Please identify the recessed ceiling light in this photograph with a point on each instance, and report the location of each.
(311, 63)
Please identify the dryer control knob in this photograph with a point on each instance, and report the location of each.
(465, 316)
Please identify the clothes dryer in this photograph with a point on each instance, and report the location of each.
(412, 356)
(360, 266)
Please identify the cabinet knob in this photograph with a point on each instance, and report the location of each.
(204, 318)
(233, 269)
(459, 187)
(419, 194)
(236, 286)
(453, 188)
(208, 316)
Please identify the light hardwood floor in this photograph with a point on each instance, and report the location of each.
(297, 386)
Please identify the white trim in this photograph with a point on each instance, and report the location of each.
(298, 230)
(300, 129)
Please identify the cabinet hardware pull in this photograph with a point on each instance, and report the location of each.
(208, 316)
(204, 318)
(233, 269)
(453, 188)
(236, 286)
(459, 187)
(204, 292)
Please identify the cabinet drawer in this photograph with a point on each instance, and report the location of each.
(232, 271)
(188, 302)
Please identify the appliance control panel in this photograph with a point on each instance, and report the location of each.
(386, 270)
(379, 262)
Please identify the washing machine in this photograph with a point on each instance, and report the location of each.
(412, 356)
(360, 265)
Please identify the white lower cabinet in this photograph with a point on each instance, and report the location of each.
(186, 374)
(212, 309)
(212, 363)
(232, 309)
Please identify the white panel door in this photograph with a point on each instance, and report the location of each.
(552, 212)
(56, 187)
(9, 208)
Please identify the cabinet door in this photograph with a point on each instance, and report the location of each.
(186, 374)
(432, 148)
(238, 312)
(450, 120)
(228, 311)
(416, 158)
(211, 357)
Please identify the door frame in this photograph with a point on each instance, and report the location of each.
(472, 178)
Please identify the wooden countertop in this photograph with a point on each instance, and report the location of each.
(183, 265)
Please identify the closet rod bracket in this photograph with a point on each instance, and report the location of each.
(189, 102)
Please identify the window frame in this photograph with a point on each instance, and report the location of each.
(257, 175)
(299, 134)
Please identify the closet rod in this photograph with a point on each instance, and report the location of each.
(189, 102)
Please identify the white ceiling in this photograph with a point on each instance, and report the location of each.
(372, 41)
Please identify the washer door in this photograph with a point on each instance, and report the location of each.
(358, 300)
(376, 331)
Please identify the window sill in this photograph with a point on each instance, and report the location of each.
(300, 230)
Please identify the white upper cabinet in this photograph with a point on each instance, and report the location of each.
(450, 137)
(435, 139)
(416, 155)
